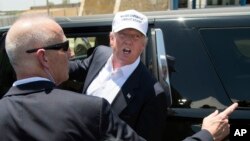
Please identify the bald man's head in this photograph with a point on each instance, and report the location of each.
(30, 32)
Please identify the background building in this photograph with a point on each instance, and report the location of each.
(91, 7)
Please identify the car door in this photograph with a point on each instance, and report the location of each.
(7, 75)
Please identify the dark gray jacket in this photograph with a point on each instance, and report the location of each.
(37, 111)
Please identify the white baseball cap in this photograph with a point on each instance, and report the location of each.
(130, 19)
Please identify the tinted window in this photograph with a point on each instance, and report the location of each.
(81, 46)
(230, 52)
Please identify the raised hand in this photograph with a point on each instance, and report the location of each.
(217, 123)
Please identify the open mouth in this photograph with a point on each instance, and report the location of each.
(126, 51)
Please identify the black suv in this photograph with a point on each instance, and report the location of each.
(202, 57)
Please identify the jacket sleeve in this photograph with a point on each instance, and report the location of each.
(113, 128)
(202, 135)
(78, 68)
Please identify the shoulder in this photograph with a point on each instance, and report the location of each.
(103, 49)
(101, 53)
(76, 98)
(149, 81)
(146, 76)
(81, 103)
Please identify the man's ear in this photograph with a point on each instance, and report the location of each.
(42, 58)
(111, 38)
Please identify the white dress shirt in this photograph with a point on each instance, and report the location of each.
(108, 82)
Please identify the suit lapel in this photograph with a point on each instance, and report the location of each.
(119, 103)
(127, 92)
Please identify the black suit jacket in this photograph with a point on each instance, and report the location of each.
(37, 111)
(141, 102)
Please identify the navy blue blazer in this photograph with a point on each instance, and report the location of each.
(37, 111)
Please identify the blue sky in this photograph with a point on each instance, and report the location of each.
(8, 5)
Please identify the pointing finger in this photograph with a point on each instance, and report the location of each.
(228, 110)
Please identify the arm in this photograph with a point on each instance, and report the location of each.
(78, 68)
(202, 135)
(217, 123)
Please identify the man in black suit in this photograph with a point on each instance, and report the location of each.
(33, 108)
(118, 75)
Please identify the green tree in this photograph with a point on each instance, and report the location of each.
(65, 1)
(51, 3)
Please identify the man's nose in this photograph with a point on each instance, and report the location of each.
(129, 38)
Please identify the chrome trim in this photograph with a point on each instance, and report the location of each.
(162, 64)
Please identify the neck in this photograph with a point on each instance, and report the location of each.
(49, 76)
(117, 63)
(22, 73)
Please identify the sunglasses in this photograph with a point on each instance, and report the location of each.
(64, 46)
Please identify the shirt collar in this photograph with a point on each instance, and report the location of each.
(27, 80)
(126, 70)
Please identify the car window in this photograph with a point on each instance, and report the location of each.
(82, 46)
(230, 52)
